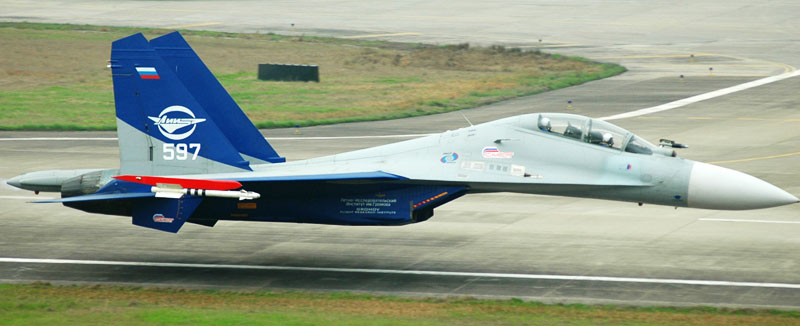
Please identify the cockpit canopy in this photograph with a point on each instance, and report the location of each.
(592, 131)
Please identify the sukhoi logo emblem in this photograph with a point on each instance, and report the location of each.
(169, 124)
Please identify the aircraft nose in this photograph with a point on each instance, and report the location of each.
(715, 187)
(15, 181)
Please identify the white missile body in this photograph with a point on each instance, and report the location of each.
(167, 192)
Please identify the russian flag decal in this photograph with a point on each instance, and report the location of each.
(147, 72)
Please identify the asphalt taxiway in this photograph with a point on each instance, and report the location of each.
(502, 245)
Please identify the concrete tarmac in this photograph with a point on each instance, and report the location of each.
(756, 131)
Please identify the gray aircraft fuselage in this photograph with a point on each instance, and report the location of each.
(535, 161)
(515, 155)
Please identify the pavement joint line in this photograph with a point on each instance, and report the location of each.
(405, 272)
(786, 68)
(193, 25)
(756, 158)
(702, 97)
(746, 221)
(158, 9)
(351, 137)
(26, 197)
(659, 56)
(268, 138)
(564, 45)
(721, 118)
(380, 35)
(58, 138)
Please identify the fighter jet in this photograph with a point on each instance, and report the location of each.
(189, 154)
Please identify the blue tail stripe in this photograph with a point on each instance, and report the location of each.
(163, 108)
(207, 90)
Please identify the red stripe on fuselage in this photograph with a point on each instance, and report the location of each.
(150, 76)
(185, 183)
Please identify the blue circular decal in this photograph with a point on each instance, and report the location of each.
(449, 158)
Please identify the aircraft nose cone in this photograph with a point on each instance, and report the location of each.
(15, 181)
(715, 187)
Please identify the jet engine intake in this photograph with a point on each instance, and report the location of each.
(87, 183)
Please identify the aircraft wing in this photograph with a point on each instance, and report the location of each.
(166, 203)
(118, 189)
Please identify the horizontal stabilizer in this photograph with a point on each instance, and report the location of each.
(99, 196)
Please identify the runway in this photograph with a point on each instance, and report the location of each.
(600, 251)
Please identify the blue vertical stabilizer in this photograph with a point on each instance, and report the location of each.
(163, 129)
(207, 90)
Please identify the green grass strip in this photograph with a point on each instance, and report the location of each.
(44, 304)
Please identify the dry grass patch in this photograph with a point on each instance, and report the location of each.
(54, 76)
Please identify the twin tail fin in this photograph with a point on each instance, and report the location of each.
(174, 117)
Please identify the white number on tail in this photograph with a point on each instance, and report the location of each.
(196, 147)
(180, 151)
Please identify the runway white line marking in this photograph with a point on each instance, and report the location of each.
(269, 138)
(193, 25)
(58, 138)
(702, 97)
(380, 35)
(350, 137)
(404, 272)
(746, 221)
(26, 197)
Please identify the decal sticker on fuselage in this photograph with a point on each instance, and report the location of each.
(172, 122)
(473, 165)
(493, 152)
(249, 205)
(168, 124)
(517, 170)
(378, 206)
(147, 73)
(497, 168)
(159, 218)
(449, 157)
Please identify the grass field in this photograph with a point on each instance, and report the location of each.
(53, 76)
(44, 304)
